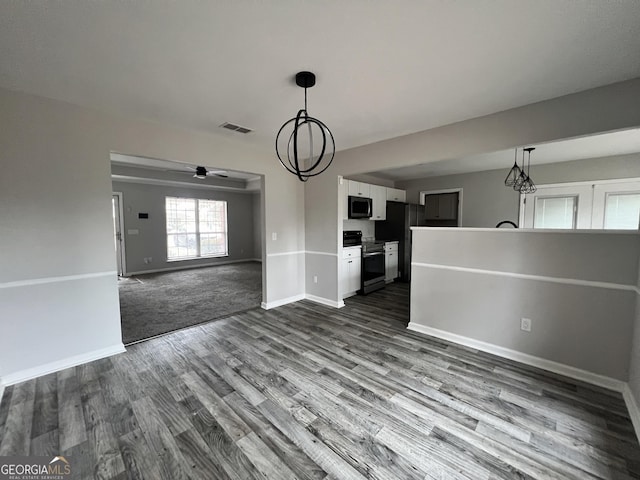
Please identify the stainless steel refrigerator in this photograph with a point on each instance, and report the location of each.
(401, 216)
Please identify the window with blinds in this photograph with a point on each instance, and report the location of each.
(196, 228)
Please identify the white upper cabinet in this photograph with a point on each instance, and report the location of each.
(359, 189)
(377, 193)
(379, 201)
(396, 195)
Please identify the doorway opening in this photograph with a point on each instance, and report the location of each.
(190, 248)
(443, 208)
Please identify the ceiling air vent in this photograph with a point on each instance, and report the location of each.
(235, 128)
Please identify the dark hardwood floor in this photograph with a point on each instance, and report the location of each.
(305, 391)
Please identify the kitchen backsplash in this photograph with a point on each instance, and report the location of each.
(367, 227)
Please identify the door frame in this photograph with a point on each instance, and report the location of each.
(120, 218)
(458, 190)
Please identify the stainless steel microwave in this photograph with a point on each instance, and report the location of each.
(360, 207)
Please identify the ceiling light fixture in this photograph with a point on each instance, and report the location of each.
(201, 173)
(304, 158)
(514, 173)
(518, 177)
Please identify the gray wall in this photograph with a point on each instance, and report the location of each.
(634, 362)
(486, 201)
(151, 241)
(604, 109)
(461, 284)
(56, 233)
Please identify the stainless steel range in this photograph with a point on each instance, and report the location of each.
(373, 268)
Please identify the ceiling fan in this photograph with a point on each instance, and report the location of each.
(202, 173)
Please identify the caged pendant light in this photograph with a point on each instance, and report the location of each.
(528, 186)
(308, 148)
(514, 173)
(518, 177)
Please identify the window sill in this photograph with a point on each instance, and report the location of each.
(184, 259)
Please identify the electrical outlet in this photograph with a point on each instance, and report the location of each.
(525, 324)
(315, 279)
(274, 236)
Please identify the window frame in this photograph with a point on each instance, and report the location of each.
(574, 209)
(198, 234)
(591, 200)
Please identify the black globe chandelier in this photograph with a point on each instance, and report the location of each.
(304, 145)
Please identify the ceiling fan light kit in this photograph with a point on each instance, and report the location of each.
(295, 145)
(201, 173)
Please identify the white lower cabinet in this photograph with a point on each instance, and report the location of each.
(351, 270)
(391, 261)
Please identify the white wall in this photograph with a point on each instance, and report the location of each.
(56, 233)
(367, 227)
(486, 201)
(365, 178)
(151, 240)
(578, 288)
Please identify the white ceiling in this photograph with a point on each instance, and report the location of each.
(604, 145)
(175, 167)
(129, 168)
(384, 68)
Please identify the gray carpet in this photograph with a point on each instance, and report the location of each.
(158, 303)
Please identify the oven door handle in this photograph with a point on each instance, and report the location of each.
(372, 254)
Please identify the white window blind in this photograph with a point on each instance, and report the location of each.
(622, 211)
(604, 204)
(196, 228)
(555, 212)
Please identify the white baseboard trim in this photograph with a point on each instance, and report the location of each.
(543, 363)
(302, 296)
(324, 301)
(632, 406)
(282, 301)
(189, 267)
(34, 372)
